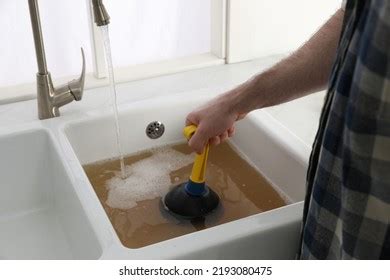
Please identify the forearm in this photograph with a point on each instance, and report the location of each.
(305, 71)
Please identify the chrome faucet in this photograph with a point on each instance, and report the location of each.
(51, 98)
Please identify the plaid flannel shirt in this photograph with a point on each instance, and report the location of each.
(347, 206)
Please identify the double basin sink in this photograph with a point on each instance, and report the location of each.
(49, 210)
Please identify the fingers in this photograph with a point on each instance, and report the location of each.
(215, 141)
(224, 136)
(231, 131)
(198, 141)
(212, 123)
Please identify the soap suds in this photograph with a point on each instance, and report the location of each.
(147, 179)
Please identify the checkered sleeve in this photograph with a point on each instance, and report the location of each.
(347, 206)
(366, 165)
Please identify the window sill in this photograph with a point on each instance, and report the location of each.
(126, 74)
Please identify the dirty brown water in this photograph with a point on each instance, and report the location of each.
(242, 189)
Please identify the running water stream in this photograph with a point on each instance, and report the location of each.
(107, 47)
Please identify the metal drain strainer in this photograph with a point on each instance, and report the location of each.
(155, 130)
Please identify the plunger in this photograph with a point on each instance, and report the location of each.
(193, 199)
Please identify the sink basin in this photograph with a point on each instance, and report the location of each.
(259, 138)
(41, 216)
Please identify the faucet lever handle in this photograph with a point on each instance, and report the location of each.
(76, 86)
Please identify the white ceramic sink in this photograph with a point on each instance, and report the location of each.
(49, 210)
(41, 216)
(267, 144)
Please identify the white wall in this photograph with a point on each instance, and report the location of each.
(148, 30)
(65, 29)
(141, 31)
(152, 30)
(259, 28)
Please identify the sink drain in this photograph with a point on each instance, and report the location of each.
(155, 130)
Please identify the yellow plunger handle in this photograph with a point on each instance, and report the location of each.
(199, 168)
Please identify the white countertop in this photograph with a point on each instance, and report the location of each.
(299, 116)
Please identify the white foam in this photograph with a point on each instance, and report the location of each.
(147, 179)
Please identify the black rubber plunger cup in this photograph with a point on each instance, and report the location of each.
(182, 202)
(193, 199)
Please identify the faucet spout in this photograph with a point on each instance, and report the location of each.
(100, 13)
(38, 38)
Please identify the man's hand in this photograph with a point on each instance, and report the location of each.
(215, 122)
